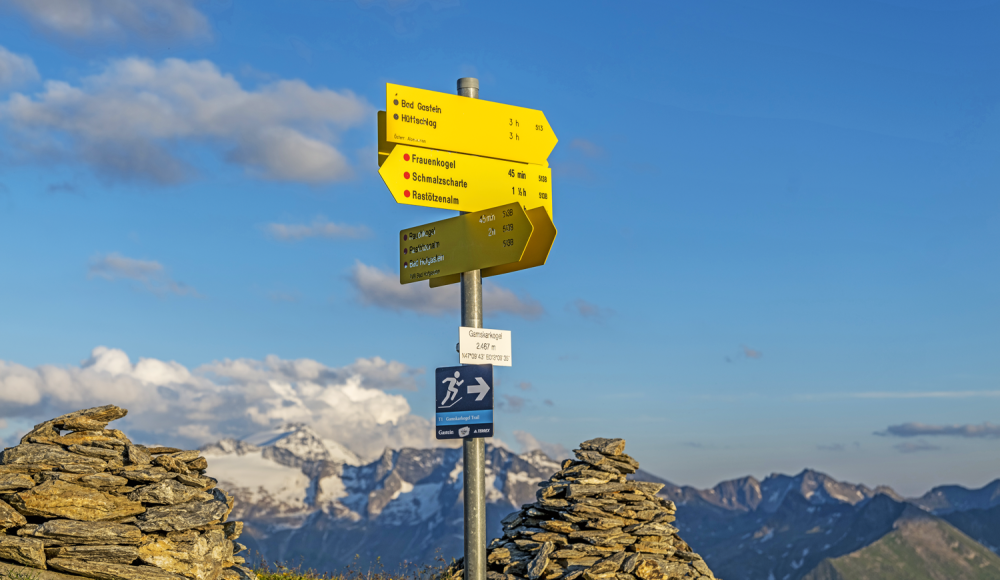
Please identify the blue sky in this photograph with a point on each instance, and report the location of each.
(778, 222)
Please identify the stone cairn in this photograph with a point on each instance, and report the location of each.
(90, 503)
(591, 522)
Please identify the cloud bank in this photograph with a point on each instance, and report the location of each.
(16, 69)
(376, 287)
(138, 120)
(985, 431)
(148, 273)
(103, 19)
(171, 404)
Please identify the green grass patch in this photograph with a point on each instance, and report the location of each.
(376, 571)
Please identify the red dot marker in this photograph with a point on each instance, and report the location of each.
(406, 175)
(406, 193)
(404, 250)
(406, 156)
(404, 237)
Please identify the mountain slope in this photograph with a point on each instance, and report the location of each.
(950, 498)
(982, 526)
(920, 547)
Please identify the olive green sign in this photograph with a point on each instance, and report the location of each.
(543, 234)
(460, 244)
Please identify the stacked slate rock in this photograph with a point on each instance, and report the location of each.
(90, 503)
(591, 523)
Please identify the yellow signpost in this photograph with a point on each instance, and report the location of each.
(473, 241)
(447, 180)
(543, 234)
(452, 123)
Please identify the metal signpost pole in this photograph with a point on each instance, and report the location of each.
(474, 450)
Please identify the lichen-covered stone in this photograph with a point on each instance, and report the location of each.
(107, 554)
(137, 455)
(102, 480)
(95, 418)
(605, 446)
(171, 464)
(27, 551)
(58, 499)
(185, 516)
(108, 455)
(26, 468)
(190, 554)
(198, 464)
(161, 450)
(540, 562)
(15, 482)
(104, 571)
(168, 492)
(238, 573)
(33, 453)
(186, 456)
(233, 530)
(9, 517)
(147, 475)
(194, 480)
(88, 533)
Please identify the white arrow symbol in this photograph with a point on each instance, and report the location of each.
(480, 390)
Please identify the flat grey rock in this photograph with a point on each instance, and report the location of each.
(88, 533)
(106, 554)
(104, 571)
(182, 517)
(27, 551)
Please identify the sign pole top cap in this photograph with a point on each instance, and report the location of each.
(468, 83)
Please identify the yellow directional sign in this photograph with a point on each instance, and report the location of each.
(472, 241)
(474, 126)
(543, 234)
(384, 147)
(446, 180)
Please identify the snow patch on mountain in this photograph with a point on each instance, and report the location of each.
(260, 480)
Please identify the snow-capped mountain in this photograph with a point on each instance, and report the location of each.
(306, 499)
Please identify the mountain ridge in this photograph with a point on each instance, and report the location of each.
(309, 500)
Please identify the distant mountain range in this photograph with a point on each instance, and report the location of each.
(310, 501)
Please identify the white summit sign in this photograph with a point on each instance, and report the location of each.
(484, 346)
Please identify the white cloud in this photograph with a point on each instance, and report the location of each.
(16, 69)
(103, 19)
(529, 442)
(135, 119)
(319, 228)
(169, 403)
(380, 288)
(150, 274)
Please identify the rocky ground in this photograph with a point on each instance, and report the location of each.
(90, 503)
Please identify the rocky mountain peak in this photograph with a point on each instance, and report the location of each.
(816, 487)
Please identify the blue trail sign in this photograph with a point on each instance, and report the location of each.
(464, 404)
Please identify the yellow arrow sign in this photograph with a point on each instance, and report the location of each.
(446, 180)
(453, 123)
(543, 235)
(472, 241)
